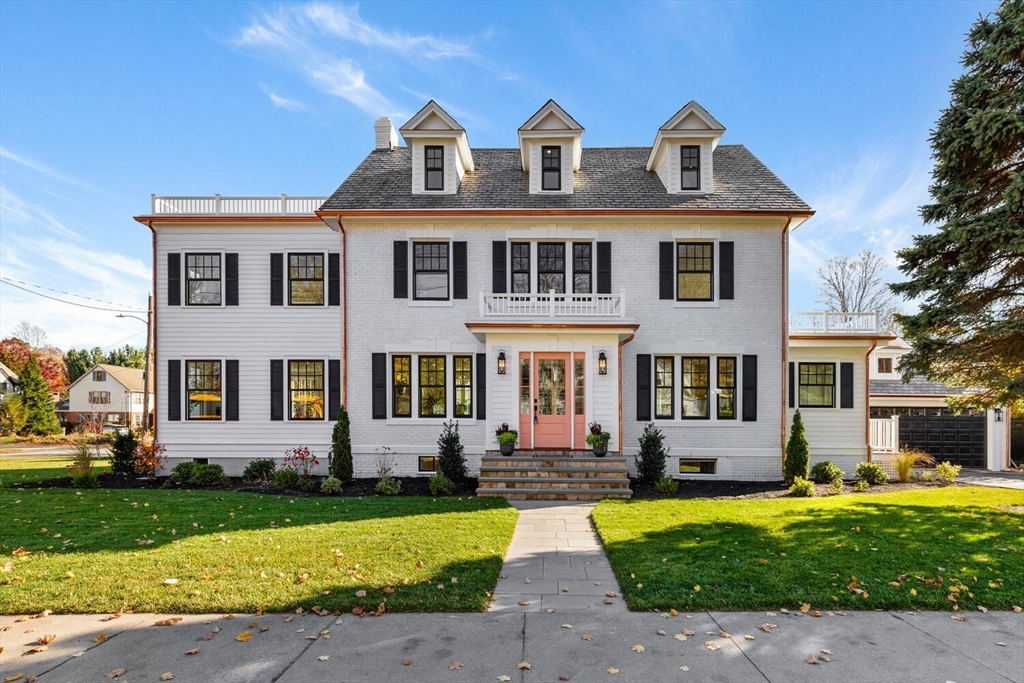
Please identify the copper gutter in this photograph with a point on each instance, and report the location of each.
(394, 213)
(200, 218)
(344, 315)
(867, 400)
(621, 344)
(153, 354)
(785, 337)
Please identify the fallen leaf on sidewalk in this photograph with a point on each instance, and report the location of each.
(524, 665)
(31, 679)
(323, 658)
(587, 636)
(566, 625)
(288, 618)
(1000, 644)
(983, 610)
(826, 652)
(167, 676)
(748, 637)
(958, 617)
(810, 659)
(407, 662)
(503, 679)
(243, 637)
(117, 673)
(115, 615)
(193, 651)
(680, 637)
(805, 607)
(523, 603)
(688, 632)
(168, 622)
(1017, 609)
(662, 633)
(45, 640)
(767, 628)
(610, 594)
(14, 677)
(35, 650)
(563, 677)
(454, 666)
(637, 648)
(100, 638)
(612, 670)
(723, 634)
(712, 645)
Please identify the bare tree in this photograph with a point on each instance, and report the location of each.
(856, 284)
(32, 335)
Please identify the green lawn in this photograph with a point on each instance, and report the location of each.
(907, 550)
(32, 469)
(103, 550)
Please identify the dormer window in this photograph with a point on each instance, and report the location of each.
(689, 167)
(434, 160)
(551, 168)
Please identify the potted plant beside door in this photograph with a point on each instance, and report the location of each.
(506, 439)
(598, 439)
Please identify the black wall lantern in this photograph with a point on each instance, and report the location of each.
(997, 413)
(501, 362)
(602, 363)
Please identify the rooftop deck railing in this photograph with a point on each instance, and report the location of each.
(216, 205)
(552, 305)
(828, 322)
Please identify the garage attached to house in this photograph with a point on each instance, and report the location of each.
(959, 439)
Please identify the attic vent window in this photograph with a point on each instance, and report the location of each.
(434, 167)
(551, 165)
(689, 167)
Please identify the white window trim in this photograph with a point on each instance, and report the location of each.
(287, 280)
(414, 388)
(712, 421)
(223, 278)
(184, 388)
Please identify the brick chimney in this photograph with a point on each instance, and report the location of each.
(385, 134)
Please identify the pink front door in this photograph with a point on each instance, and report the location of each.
(552, 396)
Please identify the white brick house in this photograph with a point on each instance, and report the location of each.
(547, 285)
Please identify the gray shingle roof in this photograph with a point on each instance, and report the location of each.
(609, 178)
(918, 386)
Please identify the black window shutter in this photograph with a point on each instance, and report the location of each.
(334, 279)
(333, 389)
(750, 388)
(460, 287)
(174, 390)
(401, 285)
(666, 270)
(277, 279)
(231, 279)
(725, 270)
(231, 385)
(792, 385)
(499, 265)
(481, 386)
(643, 387)
(604, 267)
(846, 385)
(174, 279)
(380, 386)
(276, 390)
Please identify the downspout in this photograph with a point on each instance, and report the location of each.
(785, 338)
(153, 353)
(344, 314)
(621, 344)
(867, 399)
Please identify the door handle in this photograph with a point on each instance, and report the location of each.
(534, 411)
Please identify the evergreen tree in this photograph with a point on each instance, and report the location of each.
(122, 454)
(650, 460)
(969, 275)
(341, 445)
(41, 415)
(798, 452)
(452, 454)
(12, 414)
(80, 361)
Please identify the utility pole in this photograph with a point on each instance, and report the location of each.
(146, 372)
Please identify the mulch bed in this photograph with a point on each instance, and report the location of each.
(759, 489)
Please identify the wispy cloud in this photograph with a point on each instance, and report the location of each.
(313, 39)
(283, 102)
(16, 211)
(42, 168)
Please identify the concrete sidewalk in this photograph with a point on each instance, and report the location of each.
(902, 647)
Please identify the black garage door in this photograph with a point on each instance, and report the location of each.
(959, 439)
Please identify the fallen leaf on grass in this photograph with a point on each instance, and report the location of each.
(805, 607)
(117, 673)
(193, 651)
(454, 666)
(243, 637)
(524, 666)
(712, 645)
(170, 582)
(168, 622)
(612, 670)
(100, 638)
(637, 648)
(810, 659)
(587, 636)
(35, 650)
(45, 640)
(360, 594)
(1017, 609)
(167, 676)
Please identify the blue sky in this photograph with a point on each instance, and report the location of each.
(102, 104)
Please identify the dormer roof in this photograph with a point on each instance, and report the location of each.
(692, 122)
(551, 122)
(434, 122)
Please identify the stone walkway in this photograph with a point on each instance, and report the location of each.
(556, 562)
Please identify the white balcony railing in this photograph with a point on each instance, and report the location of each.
(885, 434)
(216, 205)
(833, 323)
(552, 305)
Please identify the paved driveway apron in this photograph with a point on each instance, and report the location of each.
(556, 562)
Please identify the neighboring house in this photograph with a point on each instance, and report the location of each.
(918, 414)
(827, 376)
(108, 394)
(9, 383)
(547, 286)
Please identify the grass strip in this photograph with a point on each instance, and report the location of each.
(936, 549)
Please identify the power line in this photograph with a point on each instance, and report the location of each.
(125, 308)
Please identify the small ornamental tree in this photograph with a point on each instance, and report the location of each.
(451, 453)
(798, 452)
(650, 461)
(41, 413)
(341, 448)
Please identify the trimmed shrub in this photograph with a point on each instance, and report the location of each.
(388, 486)
(650, 460)
(182, 472)
(667, 486)
(208, 475)
(286, 479)
(341, 448)
(826, 472)
(836, 486)
(861, 485)
(947, 472)
(441, 485)
(872, 474)
(261, 469)
(802, 488)
(80, 469)
(451, 453)
(907, 459)
(798, 452)
(309, 484)
(122, 454)
(331, 486)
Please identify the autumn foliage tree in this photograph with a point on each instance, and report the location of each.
(14, 353)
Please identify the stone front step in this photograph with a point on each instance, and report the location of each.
(553, 475)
